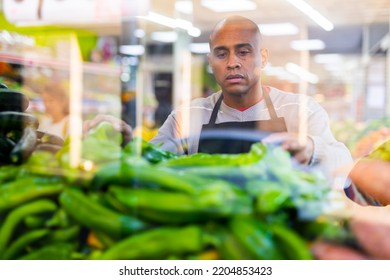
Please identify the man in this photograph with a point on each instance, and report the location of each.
(237, 59)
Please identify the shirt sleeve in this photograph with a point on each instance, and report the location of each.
(169, 137)
(332, 156)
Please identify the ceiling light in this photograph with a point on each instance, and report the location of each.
(277, 29)
(132, 49)
(307, 45)
(302, 73)
(139, 33)
(166, 37)
(200, 48)
(173, 23)
(328, 58)
(312, 13)
(184, 6)
(221, 6)
(160, 19)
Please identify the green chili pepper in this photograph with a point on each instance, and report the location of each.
(157, 243)
(97, 217)
(255, 237)
(64, 234)
(26, 189)
(34, 221)
(137, 171)
(16, 215)
(57, 251)
(293, 246)
(217, 201)
(22, 242)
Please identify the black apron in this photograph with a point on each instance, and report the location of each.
(237, 137)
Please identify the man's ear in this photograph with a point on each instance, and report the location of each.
(264, 57)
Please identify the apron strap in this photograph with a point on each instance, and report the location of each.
(214, 114)
(268, 102)
(270, 105)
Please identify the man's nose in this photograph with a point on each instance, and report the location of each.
(233, 62)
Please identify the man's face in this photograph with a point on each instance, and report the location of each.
(236, 58)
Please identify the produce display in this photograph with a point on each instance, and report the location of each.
(370, 137)
(381, 152)
(141, 202)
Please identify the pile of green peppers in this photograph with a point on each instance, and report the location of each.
(141, 202)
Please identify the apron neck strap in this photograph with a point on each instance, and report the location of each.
(214, 114)
(270, 105)
(268, 102)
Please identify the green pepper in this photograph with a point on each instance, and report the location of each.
(230, 249)
(151, 152)
(8, 173)
(56, 251)
(64, 234)
(293, 245)
(97, 217)
(157, 243)
(22, 242)
(137, 171)
(34, 221)
(16, 215)
(255, 237)
(218, 200)
(26, 189)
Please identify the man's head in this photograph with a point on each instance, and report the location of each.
(236, 56)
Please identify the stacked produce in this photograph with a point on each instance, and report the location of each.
(370, 137)
(140, 202)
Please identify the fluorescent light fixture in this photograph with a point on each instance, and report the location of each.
(302, 73)
(222, 6)
(184, 6)
(139, 33)
(312, 13)
(278, 29)
(194, 32)
(328, 58)
(200, 48)
(164, 36)
(132, 49)
(160, 19)
(307, 45)
(173, 23)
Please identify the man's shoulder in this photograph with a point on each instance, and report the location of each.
(205, 102)
(200, 103)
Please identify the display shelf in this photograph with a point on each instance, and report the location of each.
(30, 59)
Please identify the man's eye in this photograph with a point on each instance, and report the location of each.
(243, 52)
(220, 55)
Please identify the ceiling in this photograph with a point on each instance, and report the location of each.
(352, 18)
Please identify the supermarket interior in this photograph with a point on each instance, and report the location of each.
(138, 60)
(345, 62)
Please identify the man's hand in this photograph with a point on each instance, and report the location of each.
(289, 141)
(372, 178)
(117, 124)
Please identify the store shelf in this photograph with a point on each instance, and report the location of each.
(31, 59)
